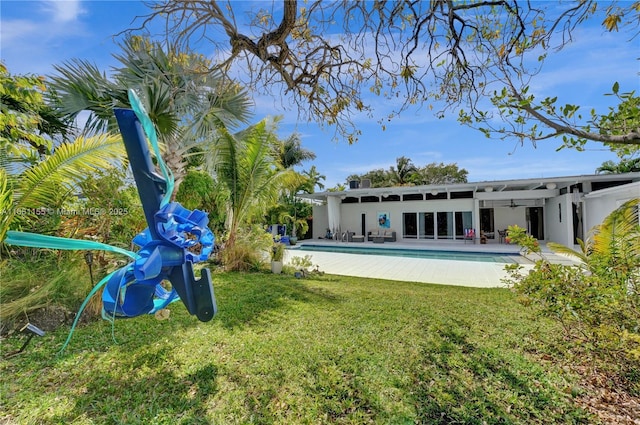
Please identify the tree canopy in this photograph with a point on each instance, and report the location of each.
(328, 57)
(27, 124)
(186, 100)
(405, 173)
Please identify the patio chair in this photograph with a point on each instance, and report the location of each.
(355, 238)
(469, 235)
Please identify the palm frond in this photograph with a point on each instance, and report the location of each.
(69, 163)
(248, 169)
(581, 255)
(80, 86)
(617, 237)
(6, 204)
(618, 230)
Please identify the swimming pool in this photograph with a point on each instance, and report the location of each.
(487, 257)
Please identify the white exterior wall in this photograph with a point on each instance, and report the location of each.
(320, 221)
(351, 213)
(558, 219)
(557, 209)
(598, 205)
(505, 217)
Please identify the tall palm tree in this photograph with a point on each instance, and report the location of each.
(292, 153)
(313, 179)
(250, 172)
(187, 100)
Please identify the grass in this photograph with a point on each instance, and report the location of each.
(287, 351)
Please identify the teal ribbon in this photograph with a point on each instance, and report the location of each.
(35, 240)
(150, 131)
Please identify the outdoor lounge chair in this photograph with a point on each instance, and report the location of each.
(469, 235)
(387, 235)
(355, 238)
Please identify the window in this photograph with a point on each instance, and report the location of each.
(462, 195)
(427, 227)
(441, 195)
(390, 198)
(350, 200)
(463, 221)
(445, 225)
(369, 199)
(409, 226)
(412, 197)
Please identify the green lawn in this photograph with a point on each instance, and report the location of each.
(326, 349)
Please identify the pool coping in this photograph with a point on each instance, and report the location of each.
(438, 271)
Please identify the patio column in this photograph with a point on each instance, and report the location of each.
(476, 216)
(333, 212)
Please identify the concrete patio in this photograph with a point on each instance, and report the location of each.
(447, 272)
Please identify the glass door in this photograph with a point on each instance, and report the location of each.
(445, 225)
(463, 221)
(427, 226)
(410, 225)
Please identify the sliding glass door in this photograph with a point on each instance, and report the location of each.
(445, 225)
(410, 225)
(436, 225)
(427, 226)
(463, 221)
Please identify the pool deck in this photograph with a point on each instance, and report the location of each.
(446, 272)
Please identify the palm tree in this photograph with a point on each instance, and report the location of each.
(186, 99)
(292, 153)
(614, 243)
(31, 176)
(38, 185)
(251, 174)
(400, 175)
(30, 125)
(624, 166)
(313, 180)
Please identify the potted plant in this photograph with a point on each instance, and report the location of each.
(277, 254)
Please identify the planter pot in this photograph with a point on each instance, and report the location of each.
(293, 239)
(276, 267)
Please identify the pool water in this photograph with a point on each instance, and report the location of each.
(487, 257)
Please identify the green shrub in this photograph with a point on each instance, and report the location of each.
(277, 251)
(200, 191)
(597, 302)
(249, 252)
(61, 280)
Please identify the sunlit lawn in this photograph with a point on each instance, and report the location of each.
(287, 351)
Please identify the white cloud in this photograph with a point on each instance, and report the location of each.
(17, 30)
(64, 11)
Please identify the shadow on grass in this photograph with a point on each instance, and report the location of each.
(243, 298)
(462, 382)
(147, 394)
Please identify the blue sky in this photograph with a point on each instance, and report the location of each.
(35, 35)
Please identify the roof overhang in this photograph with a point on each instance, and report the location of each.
(488, 190)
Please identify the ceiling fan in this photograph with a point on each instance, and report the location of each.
(514, 205)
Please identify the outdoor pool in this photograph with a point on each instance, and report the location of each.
(487, 257)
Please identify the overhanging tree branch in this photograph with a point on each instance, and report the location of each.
(410, 52)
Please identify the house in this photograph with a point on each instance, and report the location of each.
(557, 209)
